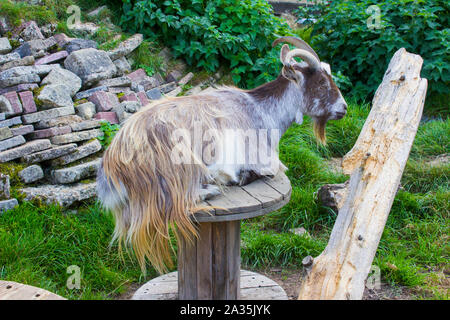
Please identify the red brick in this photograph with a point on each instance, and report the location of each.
(50, 132)
(27, 102)
(14, 100)
(104, 101)
(111, 117)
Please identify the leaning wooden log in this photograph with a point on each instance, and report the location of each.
(376, 163)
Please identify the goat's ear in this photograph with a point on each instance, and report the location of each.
(283, 53)
(291, 74)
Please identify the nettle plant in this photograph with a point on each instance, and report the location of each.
(359, 38)
(208, 34)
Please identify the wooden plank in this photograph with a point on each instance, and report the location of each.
(263, 192)
(204, 261)
(235, 200)
(10, 290)
(233, 253)
(219, 276)
(245, 215)
(280, 183)
(187, 282)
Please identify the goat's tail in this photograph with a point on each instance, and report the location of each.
(147, 191)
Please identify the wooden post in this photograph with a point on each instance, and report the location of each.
(376, 164)
(209, 268)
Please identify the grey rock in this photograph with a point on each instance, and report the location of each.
(87, 93)
(2, 116)
(117, 90)
(76, 173)
(85, 110)
(27, 148)
(11, 143)
(165, 88)
(77, 136)
(131, 106)
(122, 65)
(116, 82)
(85, 125)
(22, 130)
(185, 80)
(174, 75)
(64, 77)
(81, 152)
(91, 65)
(5, 46)
(47, 114)
(9, 57)
(49, 29)
(12, 81)
(84, 29)
(126, 47)
(154, 94)
(30, 31)
(175, 92)
(55, 96)
(27, 61)
(4, 187)
(31, 174)
(58, 122)
(78, 44)
(50, 154)
(5, 106)
(25, 74)
(36, 48)
(120, 112)
(62, 195)
(5, 133)
(10, 122)
(6, 205)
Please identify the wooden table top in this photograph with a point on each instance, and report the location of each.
(257, 198)
(10, 290)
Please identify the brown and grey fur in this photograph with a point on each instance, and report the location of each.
(149, 193)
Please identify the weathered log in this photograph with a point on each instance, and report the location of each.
(376, 163)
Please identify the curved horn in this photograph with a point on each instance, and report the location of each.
(299, 43)
(306, 56)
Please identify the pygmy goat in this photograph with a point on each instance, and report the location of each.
(177, 151)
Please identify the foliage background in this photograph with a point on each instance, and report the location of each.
(209, 34)
(342, 37)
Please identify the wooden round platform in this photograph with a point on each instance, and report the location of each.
(255, 199)
(254, 286)
(10, 290)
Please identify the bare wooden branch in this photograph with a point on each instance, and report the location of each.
(376, 164)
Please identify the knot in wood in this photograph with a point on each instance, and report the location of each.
(307, 261)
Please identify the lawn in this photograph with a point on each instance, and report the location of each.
(40, 242)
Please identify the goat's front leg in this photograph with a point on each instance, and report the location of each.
(248, 176)
(208, 191)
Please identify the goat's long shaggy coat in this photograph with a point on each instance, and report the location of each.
(159, 192)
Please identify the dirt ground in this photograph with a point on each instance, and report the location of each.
(289, 280)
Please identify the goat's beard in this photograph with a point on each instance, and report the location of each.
(319, 129)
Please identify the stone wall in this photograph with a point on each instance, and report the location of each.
(54, 93)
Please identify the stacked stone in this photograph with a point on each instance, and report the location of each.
(55, 91)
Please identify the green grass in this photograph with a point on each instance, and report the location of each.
(40, 243)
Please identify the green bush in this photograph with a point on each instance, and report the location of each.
(343, 35)
(208, 34)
